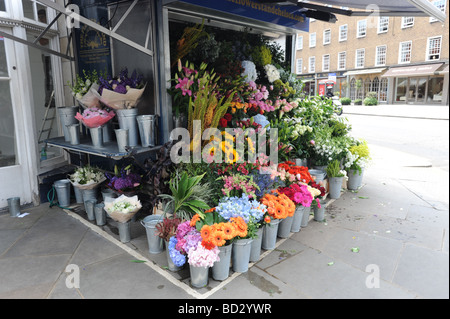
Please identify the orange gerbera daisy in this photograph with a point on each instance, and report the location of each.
(208, 245)
(280, 212)
(218, 239)
(206, 232)
(228, 231)
(194, 220)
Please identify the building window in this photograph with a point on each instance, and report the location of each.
(299, 42)
(353, 89)
(312, 64)
(326, 63)
(299, 66)
(327, 36)
(2, 5)
(376, 87)
(312, 40)
(434, 46)
(361, 29)
(380, 58)
(343, 30)
(383, 24)
(367, 87)
(34, 11)
(342, 60)
(435, 89)
(441, 5)
(407, 22)
(405, 52)
(360, 57)
(383, 90)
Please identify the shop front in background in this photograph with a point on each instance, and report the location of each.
(419, 90)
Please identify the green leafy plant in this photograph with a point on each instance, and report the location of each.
(185, 200)
(334, 169)
(346, 101)
(370, 101)
(357, 102)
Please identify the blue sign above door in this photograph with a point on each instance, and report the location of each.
(286, 16)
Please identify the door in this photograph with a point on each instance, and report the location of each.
(14, 158)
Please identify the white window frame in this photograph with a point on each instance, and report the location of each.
(7, 13)
(441, 5)
(361, 30)
(324, 68)
(313, 69)
(299, 42)
(326, 36)
(311, 37)
(385, 24)
(340, 55)
(357, 58)
(341, 37)
(427, 58)
(377, 55)
(299, 66)
(400, 52)
(407, 22)
(51, 14)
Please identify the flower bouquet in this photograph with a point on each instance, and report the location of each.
(85, 88)
(87, 177)
(298, 193)
(95, 117)
(185, 238)
(122, 92)
(125, 180)
(279, 206)
(123, 208)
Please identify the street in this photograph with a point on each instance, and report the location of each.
(412, 150)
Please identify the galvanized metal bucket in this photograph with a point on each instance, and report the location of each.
(155, 243)
(124, 232)
(147, 129)
(335, 187)
(221, 268)
(62, 188)
(74, 132)
(270, 234)
(199, 276)
(241, 254)
(14, 206)
(122, 139)
(298, 216)
(89, 205)
(255, 252)
(100, 214)
(67, 117)
(127, 121)
(284, 229)
(97, 136)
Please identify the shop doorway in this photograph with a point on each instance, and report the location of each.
(15, 158)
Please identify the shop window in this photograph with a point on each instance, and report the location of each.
(367, 86)
(376, 86)
(361, 29)
(405, 52)
(353, 89)
(343, 30)
(435, 89)
(34, 11)
(383, 90)
(434, 46)
(383, 24)
(401, 88)
(342, 60)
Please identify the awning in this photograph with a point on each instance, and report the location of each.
(444, 70)
(365, 71)
(416, 70)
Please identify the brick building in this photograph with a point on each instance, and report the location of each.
(402, 59)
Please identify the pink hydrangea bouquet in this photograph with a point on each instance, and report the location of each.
(199, 256)
(94, 117)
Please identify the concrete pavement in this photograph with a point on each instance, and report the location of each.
(402, 243)
(438, 112)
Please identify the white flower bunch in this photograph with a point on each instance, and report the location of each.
(300, 130)
(124, 207)
(272, 73)
(87, 175)
(354, 161)
(249, 71)
(325, 151)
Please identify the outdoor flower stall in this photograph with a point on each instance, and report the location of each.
(255, 155)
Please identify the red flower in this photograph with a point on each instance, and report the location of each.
(223, 122)
(228, 117)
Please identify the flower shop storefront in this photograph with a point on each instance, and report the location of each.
(250, 161)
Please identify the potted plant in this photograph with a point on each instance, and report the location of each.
(166, 230)
(357, 159)
(188, 196)
(319, 194)
(335, 178)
